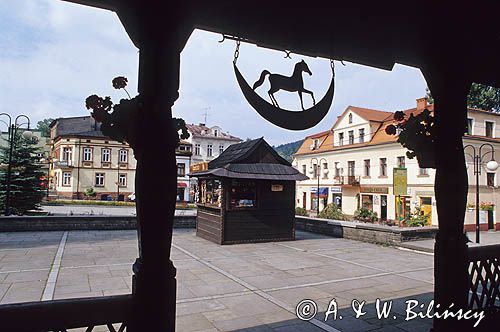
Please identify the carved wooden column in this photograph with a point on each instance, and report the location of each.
(450, 269)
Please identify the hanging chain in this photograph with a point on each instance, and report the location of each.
(332, 65)
(236, 52)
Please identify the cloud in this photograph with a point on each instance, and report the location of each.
(53, 54)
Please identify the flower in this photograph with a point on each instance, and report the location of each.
(94, 102)
(119, 82)
(390, 130)
(399, 116)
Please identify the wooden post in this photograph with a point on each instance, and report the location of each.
(450, 263)
(154, 283)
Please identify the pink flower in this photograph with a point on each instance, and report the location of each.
(119, 82)
(93, 102)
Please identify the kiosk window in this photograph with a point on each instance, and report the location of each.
(210, 192)
(242, 194)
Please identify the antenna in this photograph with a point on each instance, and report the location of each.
(205, 114)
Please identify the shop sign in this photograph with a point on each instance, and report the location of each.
(374, 190)
(277, 187)
(203, 166)
(400, 181)
(323, 191)
(336, 190)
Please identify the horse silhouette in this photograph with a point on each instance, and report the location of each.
(292, 83)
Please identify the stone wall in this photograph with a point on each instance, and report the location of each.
(67, 223)
(364, 232)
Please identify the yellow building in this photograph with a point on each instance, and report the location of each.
(83, 158)
(357, 159)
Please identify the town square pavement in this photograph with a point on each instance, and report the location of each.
(246, 287)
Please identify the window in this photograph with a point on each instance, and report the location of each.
(367, 167)
(123, 156)
(181, 169)
(315, 144)
(209, 150)
(105, 155)
(351, 136)
(351, 168)
(383, 166)
(350, 118)
(362, 135)
(67, 154)
(401, 162)
(423, 171)
(490, 179)
(216, 133)
(489, 128)
(242, 194)
(304, 169)
(197, 149)
(315, 171)
(87, 154)
(66, 179)
(325, 170)
(209, 192)
(470, 123)
(99, 179)
(122, 180)
(341, 138)
(337, 170)
(221, 149)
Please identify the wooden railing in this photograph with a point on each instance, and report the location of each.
(484, 278)
(113, 312)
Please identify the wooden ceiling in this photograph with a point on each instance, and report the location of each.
(422, 34)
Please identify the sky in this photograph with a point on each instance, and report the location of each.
(54, 54)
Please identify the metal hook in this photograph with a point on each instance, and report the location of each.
(342, 62)
(223, 38)
(287, 54)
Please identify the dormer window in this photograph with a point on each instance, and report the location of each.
(350, 118)
(216, 132)
(316, 143)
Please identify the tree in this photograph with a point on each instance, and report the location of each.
(44, 126)
(26, 187)
(480, 96)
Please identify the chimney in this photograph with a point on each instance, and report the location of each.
(421, 103)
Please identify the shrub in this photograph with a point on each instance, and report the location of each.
(417, 218)
(365, 214)
(300, 211)
(90, 192)
(332, 211)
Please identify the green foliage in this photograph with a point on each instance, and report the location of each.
(480, 96)
(332, 211)
(365, 214)
(300, 211)
(287, 150)
(89, 192)
(26, 187)
(417, 218)
(44, 126)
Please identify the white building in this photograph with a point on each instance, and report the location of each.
(208, 142)
(183, 155)
(357, 159)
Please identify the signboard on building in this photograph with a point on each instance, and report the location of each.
(323, 191)
(277, 187)
(336, 190)
(400, 181)
(203, 166)
(374, 190)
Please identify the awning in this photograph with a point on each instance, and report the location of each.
(181, 185)
(259, 171)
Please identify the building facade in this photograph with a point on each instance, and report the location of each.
(357, 160)
(183, 155)
(83, 159)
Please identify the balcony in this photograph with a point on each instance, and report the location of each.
(350, 180)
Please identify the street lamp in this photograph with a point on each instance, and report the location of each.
(318, 169)
(12, 132)
(491, 165)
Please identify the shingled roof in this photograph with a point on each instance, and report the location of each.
(83, 126)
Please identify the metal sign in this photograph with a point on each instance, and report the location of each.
(374, 190)
(400, 181)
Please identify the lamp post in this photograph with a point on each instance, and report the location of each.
(491, 165)
(318, 169)
(12, 132)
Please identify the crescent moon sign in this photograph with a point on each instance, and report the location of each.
(293, 120)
